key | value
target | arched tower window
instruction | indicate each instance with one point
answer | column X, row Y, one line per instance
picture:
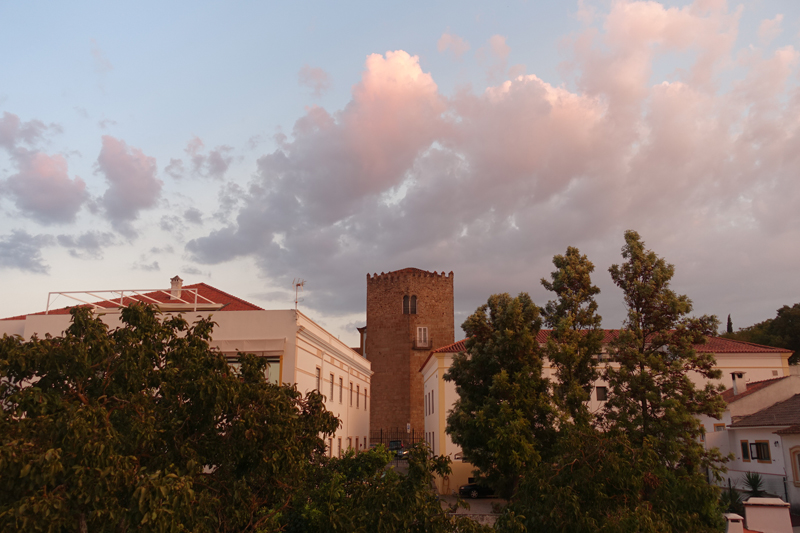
column 413, row 305
column 405, row 305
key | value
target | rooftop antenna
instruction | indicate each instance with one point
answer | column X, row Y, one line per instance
column 298, row 286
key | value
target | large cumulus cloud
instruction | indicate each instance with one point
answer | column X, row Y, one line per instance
column 702, row 160
column 41, row 188
column 132, row 183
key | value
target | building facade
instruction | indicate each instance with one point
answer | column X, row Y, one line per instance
column 298, row 350
column 734, row 358
column 409, row 313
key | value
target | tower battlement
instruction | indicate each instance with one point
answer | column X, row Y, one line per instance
column 408, row 272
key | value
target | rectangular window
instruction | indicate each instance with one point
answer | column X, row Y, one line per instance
column 331, row 397
column 426, row 404
column 602, row 394
column 358, row 396
column 340, row 390
column 745, row 451
column 759, row 450
column 330, row 447
column 349, row 443
column 422, row 336
column 351, row 394
column 365, row 399
column 318, row 377
column 339, row 444
column 719, row 427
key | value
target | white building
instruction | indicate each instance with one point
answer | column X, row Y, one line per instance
column 754, row 361
column 298, row 350
column 761, row 428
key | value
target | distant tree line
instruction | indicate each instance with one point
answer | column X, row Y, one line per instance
column 783, row 331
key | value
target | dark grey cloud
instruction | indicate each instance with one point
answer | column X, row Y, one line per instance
column 132, row 183
column 194, row 271
column 212, row 164
column 175, row 168
column 193, row 215
column 23, row 251
column 147, row 267
column 171, row 223
column 88, row 245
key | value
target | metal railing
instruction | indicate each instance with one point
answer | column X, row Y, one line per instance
column 111, row 300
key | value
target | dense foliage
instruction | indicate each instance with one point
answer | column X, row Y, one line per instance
column 144, row 428
column 638, row 465
column 783, row 331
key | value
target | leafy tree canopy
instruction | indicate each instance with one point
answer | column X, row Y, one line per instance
column 783, row 331
column 640, row 465
column 144, row 428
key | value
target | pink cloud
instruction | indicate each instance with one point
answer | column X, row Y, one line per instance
column 455, row 44
column 132, row 182
column 769, row 29
column 43, row 189
column 403, row 174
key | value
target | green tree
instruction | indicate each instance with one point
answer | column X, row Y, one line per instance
column 652, row 399
column 359, row 493
column 576, row 337
column 729, row 329
column 783, row 331
column 504, row 417
column 145, row 428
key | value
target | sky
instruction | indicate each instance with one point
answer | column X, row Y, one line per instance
column 250, row 144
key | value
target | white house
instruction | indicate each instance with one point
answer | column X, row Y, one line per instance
column 761, row 428
column 753, row 361
column 298, row 350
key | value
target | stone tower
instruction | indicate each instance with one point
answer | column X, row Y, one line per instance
column 409, row 313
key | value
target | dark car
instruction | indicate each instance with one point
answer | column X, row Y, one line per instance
column 396, row 446
column 474, row 490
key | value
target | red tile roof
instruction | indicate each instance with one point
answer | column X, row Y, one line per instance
column 791, row 430
column 785, row 413
column 229, row 302
column 712, row 345
column 752, row 387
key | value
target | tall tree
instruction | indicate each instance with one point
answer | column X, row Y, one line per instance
column 652, row 396
column 729, row 329
column 504, row 417
column 576, row 338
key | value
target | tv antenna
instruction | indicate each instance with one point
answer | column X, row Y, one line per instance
column 298, row 286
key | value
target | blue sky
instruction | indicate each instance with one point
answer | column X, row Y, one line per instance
column 247, row 144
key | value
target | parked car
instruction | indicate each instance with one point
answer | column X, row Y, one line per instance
column 474, row 490
column 398, row 448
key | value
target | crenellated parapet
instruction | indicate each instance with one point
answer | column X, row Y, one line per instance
column 409, row 273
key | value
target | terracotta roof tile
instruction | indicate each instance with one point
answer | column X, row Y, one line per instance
column 752, row 387
column 230, row 302
column 791, row 430
column 785, row 413
column 712, row 345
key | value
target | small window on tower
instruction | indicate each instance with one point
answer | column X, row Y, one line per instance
column 405, row 305
column 413, row 305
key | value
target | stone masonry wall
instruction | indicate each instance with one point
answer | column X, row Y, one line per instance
column 397, row 388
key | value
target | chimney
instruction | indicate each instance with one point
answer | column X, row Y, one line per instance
column 733, row 523
column 739, row 384
column 175, row 288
